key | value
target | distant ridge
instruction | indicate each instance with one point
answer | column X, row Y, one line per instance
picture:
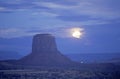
column 5, row 55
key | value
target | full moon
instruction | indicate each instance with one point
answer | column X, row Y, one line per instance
column 77, row 32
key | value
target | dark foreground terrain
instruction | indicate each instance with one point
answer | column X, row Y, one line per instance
column 57, row 74
column 85, row 71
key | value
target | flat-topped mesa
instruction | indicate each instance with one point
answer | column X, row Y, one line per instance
column 45, row 53
column 43, row 43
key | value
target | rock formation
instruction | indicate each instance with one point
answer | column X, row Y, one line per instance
column 45, row 53
column 43, row 43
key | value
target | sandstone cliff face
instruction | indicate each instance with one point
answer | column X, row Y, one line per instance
column 45, row 53
column 43, row 43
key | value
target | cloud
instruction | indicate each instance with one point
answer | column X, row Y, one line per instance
column 12, row 6
column 96, row 9
column 61, row 32
column 17, row 32
column 84, row 10
column 13, row 33
column 53, row 5
column 2, row 9
column 91, row 10
column 84, row 5
column 47, row 14
column 68, row 11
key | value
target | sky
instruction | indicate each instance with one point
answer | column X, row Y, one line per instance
column 99, row 19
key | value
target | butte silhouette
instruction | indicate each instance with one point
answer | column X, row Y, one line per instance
column 45, row 53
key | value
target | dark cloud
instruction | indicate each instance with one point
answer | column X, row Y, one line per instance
column 75, row 18
column 11, row 7
column 66, row 10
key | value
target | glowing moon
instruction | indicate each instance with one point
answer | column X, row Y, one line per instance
column 77, row 32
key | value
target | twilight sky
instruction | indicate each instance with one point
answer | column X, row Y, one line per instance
column 99, row 19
